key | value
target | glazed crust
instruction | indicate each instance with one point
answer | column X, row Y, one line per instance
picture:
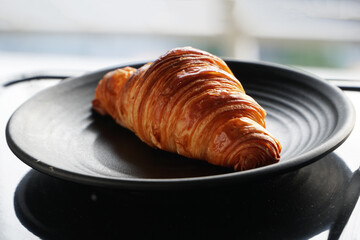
column 189, row 102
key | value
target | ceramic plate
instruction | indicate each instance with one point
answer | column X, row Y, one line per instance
column 57, row 133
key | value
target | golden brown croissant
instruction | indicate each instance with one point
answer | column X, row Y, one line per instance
column 189, row 102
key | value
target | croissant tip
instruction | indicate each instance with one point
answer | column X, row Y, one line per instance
column 96, row 105
column 248, row 164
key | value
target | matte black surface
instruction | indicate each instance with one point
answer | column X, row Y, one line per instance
column 57, row 133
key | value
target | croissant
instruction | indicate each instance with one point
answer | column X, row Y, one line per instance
column 189, row 102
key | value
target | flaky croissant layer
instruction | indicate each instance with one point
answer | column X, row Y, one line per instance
column 189, row 102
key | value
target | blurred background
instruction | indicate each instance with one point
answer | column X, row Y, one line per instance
column 320, row 35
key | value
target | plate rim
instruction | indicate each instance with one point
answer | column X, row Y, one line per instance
column 329, row 145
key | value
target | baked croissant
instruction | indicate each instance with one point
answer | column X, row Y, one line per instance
column 189, row 102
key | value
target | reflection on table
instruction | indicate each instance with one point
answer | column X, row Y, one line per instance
column 298, row 204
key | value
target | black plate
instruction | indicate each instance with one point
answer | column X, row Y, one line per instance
column 57, row 133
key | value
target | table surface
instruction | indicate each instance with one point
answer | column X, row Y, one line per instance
column 319, row 201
